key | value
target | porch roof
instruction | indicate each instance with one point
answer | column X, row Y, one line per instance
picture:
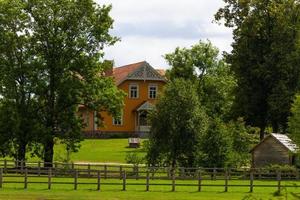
column 145, row 106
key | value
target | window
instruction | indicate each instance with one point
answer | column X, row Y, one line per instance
column 152, row 91
column 118, row 121
column 133, row 91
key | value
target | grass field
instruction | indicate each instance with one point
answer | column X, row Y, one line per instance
column 114, row 151
column 96, row 150
column 133, row 192
column 108, row 192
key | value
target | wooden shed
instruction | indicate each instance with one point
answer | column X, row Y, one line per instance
column 275, row 148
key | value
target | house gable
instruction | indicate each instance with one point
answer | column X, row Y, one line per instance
column 144, row 72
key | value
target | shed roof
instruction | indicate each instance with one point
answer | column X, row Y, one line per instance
column 282, row 139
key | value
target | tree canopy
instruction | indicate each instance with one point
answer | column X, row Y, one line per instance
column 178, row 124
column 57, row 48
column 265, row 59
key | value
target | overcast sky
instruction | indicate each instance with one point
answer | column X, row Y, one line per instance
column 150, row 29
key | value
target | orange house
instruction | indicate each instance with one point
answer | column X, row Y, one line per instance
column 142, row 84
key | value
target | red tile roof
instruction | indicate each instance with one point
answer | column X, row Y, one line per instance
column 120, row 73
column 162, row 72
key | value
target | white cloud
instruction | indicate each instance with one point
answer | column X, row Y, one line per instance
column 150, row 29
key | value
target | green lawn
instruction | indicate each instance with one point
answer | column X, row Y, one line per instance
column 133, row 192
column 94, row 150
column 99, row 150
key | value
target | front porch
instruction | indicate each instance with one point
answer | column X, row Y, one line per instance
column 142, row 122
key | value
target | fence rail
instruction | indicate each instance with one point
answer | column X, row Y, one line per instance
column 12, row 172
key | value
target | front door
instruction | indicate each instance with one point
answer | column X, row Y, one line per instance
column 143, row 122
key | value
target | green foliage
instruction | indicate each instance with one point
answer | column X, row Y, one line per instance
column 294, row 121
column 201, row 64
column 51, row 53
column 134, row 158
column 178, row 124
column 216, row 145
column 264, row 59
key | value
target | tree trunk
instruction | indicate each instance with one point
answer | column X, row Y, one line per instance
column 21, row 153
column 48, row 153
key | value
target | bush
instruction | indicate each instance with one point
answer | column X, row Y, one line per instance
column 134, row 158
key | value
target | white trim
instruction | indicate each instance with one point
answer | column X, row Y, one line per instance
column 137, row 92
column 156, row 90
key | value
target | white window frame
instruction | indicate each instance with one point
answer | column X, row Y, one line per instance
column 137, row 90
column 149, row 91
column 120, row 121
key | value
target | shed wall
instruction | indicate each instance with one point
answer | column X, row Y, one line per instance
column 270, row 152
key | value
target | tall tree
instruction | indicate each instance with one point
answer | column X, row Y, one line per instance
column 70, row 37
column 67, row 38
column 202, row 65
column 265, row 59
column 178, row 124
column 18, row 105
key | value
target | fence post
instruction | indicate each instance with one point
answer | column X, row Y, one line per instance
column 152, row 172
column 22, row 166
column 226, row 180
column 173, row 179
column 49, row 178
column 182, row 172
column 25, row 178
column 75, row 179
column 39, row 168
column 98, row 180
column 279, row 180
column 121, row 171
column 136, row 172
column 199, row 180
column 5, row 166
column 105, row 171
column 1, row 177
column 214, row 174
column 124, row 180
column 251, row 181
column 89, row 170
column 147, row 181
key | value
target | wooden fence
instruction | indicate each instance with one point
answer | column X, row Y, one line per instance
column 36, row 173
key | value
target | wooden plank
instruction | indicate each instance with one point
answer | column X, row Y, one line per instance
column 105, row 171
column 1, row 177
column 226, row 181
column 136, row 169
column 89, row 170
column 124, row 180
column 5, row 166
column 75, row 179
column 199, row 180
column 279, row 180
column 25, row 178
column 121, row 171
column 147, row 181
column 98, row 180
column 173, row 180
column 39, row 168
column 49, row 178
column 214, row 176
column 251, row 181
